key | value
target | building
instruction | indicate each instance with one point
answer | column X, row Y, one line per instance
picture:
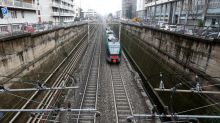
column 140, row 12
column 129, row 9
column 90, row 13
column 55, row 11
column 187, row 12
column 19, row 11
column 118, row 14
column 77, row 8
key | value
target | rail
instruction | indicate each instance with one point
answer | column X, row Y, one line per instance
column 90, row 93
column 46, row 81
column 50, row 96
column 122, row 103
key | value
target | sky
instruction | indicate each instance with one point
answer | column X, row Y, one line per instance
column 102, row 6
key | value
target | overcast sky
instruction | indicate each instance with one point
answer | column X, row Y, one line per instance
column 102, row 6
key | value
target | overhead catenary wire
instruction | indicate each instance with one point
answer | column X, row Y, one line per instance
column 180, row 117
column 187, row 91
column 198, row 108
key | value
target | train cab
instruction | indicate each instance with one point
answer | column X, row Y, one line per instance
column 114, row 50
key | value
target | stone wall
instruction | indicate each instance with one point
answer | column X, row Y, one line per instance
column 183, row 51
column 18, row 52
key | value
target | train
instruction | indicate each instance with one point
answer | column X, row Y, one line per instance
column 113, row 47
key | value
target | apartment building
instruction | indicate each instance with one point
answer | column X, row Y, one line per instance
column 77, row 8
column 90, row 13
column 184, row 11
column 19, row 11
column 118, row 14
column 129, row 9
column 55, row 11
column 140, row 12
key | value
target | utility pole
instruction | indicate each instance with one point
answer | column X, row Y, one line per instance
column 119, row 31
column 88, row 30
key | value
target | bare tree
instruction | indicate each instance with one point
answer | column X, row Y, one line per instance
column 191, row 9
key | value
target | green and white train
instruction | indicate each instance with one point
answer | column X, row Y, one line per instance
column 113, row 47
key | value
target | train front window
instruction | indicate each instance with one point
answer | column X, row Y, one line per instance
column 114, row 40
column 114, row 49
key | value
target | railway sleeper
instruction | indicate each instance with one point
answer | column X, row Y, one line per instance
column 122, row 120
column 88, row 106
column 122, row 103
column 124, row 107
column 93, row 80
column 92, row 98
column 120, row 96
column 89, row 101
column 125, row 111
column 91, row 91
column 90, row 94
column 116, row 80
column 91, row 87
column 119, row 93
column 120, row 90
column 118, row 85
column 123, row 116
column 121, row 99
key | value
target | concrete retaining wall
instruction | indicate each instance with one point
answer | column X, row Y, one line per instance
column 185, row 52
column 19, row 51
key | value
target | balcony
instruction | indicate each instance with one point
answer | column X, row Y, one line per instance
column 18, row 4
column 158, row 2
column 58, row 5
column 62, row 14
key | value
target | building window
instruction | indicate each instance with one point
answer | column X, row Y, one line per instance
column 15, row 27
column 3, row 28
column 1, row 15
column 38, row 12
column 214, row 4
column 22, row 14
column 13, row 14
column 213, row 21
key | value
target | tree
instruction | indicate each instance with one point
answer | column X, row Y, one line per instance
column 200, row 23
column 191, row 10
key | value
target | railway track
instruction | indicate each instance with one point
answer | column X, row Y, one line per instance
column 50, row 98
column 90, row 93
column 122, row 104
column 51, row 95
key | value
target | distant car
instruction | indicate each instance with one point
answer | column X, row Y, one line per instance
column 181, row 31
column 163, row 27
column 29, row 28
column 172, row 28
column 213, row 35
column 189, row 32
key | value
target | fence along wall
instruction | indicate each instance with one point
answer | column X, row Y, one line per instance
column 186, row 52
column 19, row 51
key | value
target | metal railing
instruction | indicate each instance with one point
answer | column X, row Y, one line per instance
column 58, row 5
column 22, row 28
column 62, row 14
column 17, row 4
column 207, row 32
